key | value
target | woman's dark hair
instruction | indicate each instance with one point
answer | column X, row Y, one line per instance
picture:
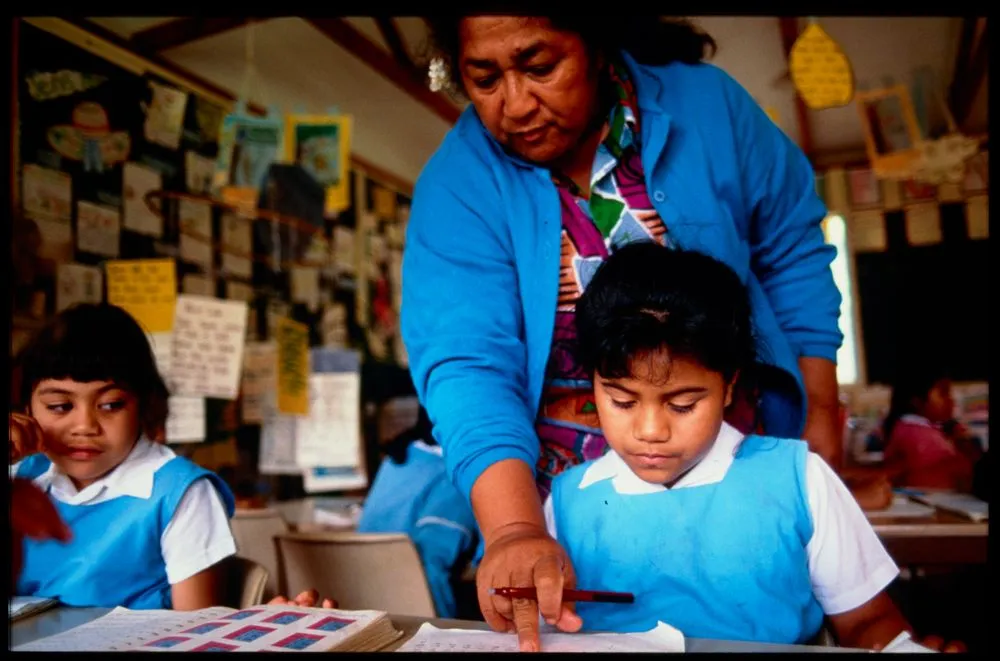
column 646, row 297
column 397, row 447
column 651, row 40
column 912, row 383
column 95, row 342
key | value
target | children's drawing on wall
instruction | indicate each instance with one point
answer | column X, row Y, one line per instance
column 89, row 139
column 198, row 172
column 47, row 200
column 209, row 119
column 248, row 146
column 47, row 85
column 165, row 115
column 321, row 145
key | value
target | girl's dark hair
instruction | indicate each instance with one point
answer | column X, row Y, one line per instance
column 397, row 447
column 95, row 342
column 912, row 382
column 651, row 40
column 647, row 297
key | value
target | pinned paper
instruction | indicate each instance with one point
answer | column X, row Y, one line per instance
column 892, row 195
column 98, row 229
column 260, row 382
column 186, row 420
column 868, row 230
column 333, row 326
column 208, row 346
column 146, row 289
column 277, row 447
column 78, row 283
column 239, row 291
column 344, row 250
column 199, row 285
column 305, row 286
column 923, row 224
column 292, row 339
column 321, row 145
column 950, row 192
column 330, row 436
column 47, row 199
column 237, row 244
column 977, row 217
column 865, row 189
column 198, row 171
column 820, row 71
column 137, row 181
column 384, row 201
column 195, row 220
column 165, row 115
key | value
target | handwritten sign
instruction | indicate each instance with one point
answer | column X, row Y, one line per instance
column 260, row 364
column 186, row 421
column 331, row 434
column 293, row 366
column 146, row 289
column 208, row 346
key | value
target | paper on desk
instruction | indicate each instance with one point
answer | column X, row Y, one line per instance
column 664, row 638
column 904, row 644
column 959, row 503
column 902, row 507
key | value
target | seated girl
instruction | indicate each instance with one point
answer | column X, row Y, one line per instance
column 722, row 535
column 412, row 494
column 925, row 447
column 146, row 529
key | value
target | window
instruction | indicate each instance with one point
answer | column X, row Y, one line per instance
column 835, row 231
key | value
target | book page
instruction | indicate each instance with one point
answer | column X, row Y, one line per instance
column 664, row 638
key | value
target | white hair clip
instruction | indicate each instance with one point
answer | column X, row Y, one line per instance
column 438, row 74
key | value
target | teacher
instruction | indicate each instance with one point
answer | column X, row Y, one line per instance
column 584, row 134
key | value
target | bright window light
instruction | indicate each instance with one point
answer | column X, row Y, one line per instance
column 835, row 230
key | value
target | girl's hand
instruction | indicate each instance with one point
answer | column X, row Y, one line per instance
column 305, row 599
column 26, row 437
column 526, row 556
column 32, row 515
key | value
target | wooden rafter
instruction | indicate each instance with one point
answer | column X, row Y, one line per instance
column 789, row 27
column 394, row 40
column 971, row 67
column 182, row 31
column 353, row 41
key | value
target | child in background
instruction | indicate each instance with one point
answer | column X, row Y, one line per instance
column 147, row 529
column 722, row 535
column 925, row 447
column 412, row 494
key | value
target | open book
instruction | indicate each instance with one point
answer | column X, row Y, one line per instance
column 255, row 629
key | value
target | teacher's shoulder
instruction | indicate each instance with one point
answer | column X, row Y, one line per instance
column 699, row 91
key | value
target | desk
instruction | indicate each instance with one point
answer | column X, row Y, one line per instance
column 57, row 620
column 940, row 539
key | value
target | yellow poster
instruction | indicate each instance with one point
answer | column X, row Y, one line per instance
column 147, row 289
column 292, row 339
column 820, row 70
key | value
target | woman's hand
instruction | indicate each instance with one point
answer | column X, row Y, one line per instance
column 26, row 437
column 305, row 599
column 939, row 644
column 524, row 555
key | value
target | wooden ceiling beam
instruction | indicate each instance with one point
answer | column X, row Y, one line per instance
column 971, row 67
column 181, row 31
column 394, row 40
column 353, row 41
column 788, row 27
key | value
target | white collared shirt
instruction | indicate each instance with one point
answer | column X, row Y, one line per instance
column 197, row 537
column 848, row 564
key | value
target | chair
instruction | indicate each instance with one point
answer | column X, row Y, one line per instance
column 254, row 531
column 365, row 571
column 245, row 584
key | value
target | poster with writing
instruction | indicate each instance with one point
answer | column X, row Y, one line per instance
column 137, row 180
column 78, row 283
column 186, row 420
column 146, row 288
column 237, row 245
column 195, row 220
column 165, row 115
column 260, row 381
column 208, row 346
column 47, row 200
column 305, row 286
column 98, row 229
column 198, row 173
column 162, row 345
column 292, row 339
column 277, row 447
column 330, row 435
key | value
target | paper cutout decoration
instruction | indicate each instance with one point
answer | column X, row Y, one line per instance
column 321, row 145
column 292, row 339
column 892, row 135
column 90, row 139
column 943, row 160
column 923, row 224
column 46, row 85
column 146, row 289
column 819, row 69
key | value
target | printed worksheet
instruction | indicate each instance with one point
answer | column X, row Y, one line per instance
column 664, row 638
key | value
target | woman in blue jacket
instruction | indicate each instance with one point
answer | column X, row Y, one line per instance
column 584, row 134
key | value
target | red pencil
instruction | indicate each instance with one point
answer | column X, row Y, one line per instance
column 568, row 595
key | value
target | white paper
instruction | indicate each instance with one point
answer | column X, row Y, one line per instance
column 238, row 291
column 199, row 285
column 958, row 503
column 46, row 194
column 208, row 346
column 902, row 507
column 137, row 180
column 320, row 479
column 186, row 421
column 195, row 219
column 904, row 644
column 305, row 285
column 664, row 638
column 277, row 447
column 260, row 382
column 333, row 326
column 162, row 346
column 165, row 115
column 330, row 435
column 237, row 244
column 198, row 172
column 78, row 283
column 98, row 229
column 344, row 250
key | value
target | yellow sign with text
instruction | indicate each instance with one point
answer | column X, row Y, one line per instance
column 292, row 339
column 146, row 289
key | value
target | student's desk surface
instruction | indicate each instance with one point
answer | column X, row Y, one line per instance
column 939, row 539
column 57, row 620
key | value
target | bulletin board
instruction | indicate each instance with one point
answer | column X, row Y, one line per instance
column 94, row 137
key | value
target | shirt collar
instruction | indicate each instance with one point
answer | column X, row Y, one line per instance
column 711, row 469
column 915, row 419
column 132, row 477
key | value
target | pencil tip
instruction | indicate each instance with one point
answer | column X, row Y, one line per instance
column 493, row 591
